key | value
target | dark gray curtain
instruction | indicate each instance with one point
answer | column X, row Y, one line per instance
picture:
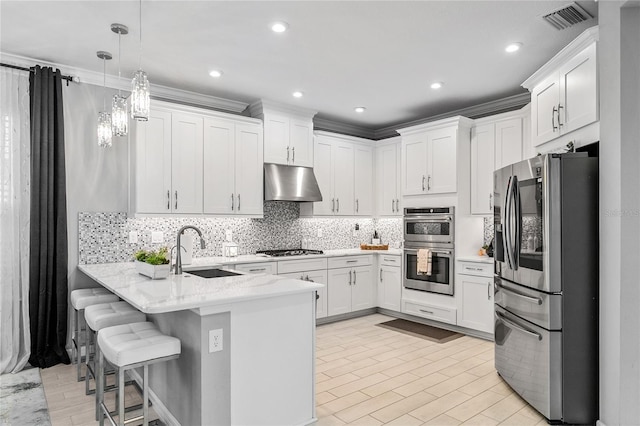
column 48, row 233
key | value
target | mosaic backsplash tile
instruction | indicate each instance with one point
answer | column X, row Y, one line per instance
column 488, row 230
column 104, row 237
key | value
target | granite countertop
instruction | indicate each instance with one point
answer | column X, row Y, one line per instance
column 476, row 259
column 186, row 291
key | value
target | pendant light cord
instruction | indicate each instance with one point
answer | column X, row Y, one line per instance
column 104, row 82
column 119, row 59
column 140, row 16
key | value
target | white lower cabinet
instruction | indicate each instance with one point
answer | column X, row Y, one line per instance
column 257, row 268
column 390, row 283
column 350, row 288
column 474, row 296
column 314, row 270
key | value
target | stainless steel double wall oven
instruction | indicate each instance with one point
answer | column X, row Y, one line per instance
column 429, row 228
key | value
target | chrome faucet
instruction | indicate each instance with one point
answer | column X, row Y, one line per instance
column 178, row 267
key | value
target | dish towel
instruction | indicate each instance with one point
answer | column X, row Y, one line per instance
column 424, row 262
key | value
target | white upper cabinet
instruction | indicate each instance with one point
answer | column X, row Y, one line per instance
column 232, row 167
column 343, row 166
column 288, row 133
column 564, row 92
column 429, row 156
column 496, row 142
column 194, row 161
column 388, row 179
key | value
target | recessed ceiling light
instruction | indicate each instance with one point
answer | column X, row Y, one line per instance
column 297, row 94
column 215, row 73
column 513, row 47
column 279, row 27
column 436, row 85
column 359, row 110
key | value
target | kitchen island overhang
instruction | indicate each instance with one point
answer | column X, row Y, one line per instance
column 265, row 372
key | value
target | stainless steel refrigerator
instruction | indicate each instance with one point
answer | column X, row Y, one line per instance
column 546, row 283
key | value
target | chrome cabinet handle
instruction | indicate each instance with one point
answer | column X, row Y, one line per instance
column 337, row 204
column 168, row 199
column 287, row 154
column 238, row 202
column 426, row 312
column 553, row 119
column 560, row 124
column 429, row 183
column 393, row 208
column 380, row 274
column 423, row 179
column 232, row 202
column 293, row 156
column 490, row 201
column 489, row 290
column 357, row 205
column 397, row 205
column 352, row 261
column 515, row 326
column 176, row 200
column 350, row 278
column 333, row 204
column 257, row 269
column 355, row 276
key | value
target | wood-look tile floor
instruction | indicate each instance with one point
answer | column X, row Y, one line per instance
column 369, row 375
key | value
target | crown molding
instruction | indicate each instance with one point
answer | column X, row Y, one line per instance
column 158, row 91
column 349, row 138
column 584, row 40
column 258, row 108
column 457, row 120
column 343, row 128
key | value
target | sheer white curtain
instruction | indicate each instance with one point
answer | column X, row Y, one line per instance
column 14, row 223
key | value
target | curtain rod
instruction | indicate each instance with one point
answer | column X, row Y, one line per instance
column 67, row 78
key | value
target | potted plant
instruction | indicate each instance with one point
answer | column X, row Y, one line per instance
column 153, row 264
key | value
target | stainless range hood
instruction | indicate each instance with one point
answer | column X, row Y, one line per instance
column 290, row 183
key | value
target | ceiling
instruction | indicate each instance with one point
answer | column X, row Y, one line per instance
column 382, row 55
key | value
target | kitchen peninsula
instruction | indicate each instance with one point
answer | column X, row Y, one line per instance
column 262, row 372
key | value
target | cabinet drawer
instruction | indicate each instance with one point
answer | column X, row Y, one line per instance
column 257, row 268
column 288, row 266
column 349, row 261
column 437, row 313
column 389, row 260
column 474, row 268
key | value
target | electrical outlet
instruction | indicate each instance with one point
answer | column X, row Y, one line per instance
column 215, row 340
column 228, row 235
column 319, row 233
column 133, row 237
column 157, row 237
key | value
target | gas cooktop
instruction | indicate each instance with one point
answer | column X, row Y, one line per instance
column 288, row 252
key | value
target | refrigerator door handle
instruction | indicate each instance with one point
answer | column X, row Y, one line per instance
column 512, row 325
column 535, row 300
column 506, row 235
column 517, row 222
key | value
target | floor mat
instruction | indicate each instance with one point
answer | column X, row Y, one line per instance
column 421, row 330
column 22, row 400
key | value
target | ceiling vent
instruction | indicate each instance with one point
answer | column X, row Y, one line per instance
column 567, row 16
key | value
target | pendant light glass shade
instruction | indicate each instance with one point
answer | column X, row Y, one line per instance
column 119, row 116
column 105, row 134
column 140, row 96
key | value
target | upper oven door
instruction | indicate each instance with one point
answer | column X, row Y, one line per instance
column 429, row 229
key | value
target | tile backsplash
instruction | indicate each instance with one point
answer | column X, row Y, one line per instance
column 104, row 237
column 488, row 230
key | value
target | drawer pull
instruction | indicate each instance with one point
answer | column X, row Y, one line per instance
column 257, row 269
column 352, row 261
column 390, row 260
column 426, row 312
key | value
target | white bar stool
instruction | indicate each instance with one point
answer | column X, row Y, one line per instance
column 101, row 316
column 131, row 346
column 80, row 299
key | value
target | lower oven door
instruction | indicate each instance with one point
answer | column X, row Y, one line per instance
column 441, row 278
column 529, row 359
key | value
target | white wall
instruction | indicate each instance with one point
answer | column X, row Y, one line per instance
column 619, row 230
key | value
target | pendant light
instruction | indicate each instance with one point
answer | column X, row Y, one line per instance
column 119, row 116
column 140, row 94
column 105, row 132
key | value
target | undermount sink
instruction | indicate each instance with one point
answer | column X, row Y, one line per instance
column 213, row 273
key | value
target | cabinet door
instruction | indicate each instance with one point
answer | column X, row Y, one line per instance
column 343, row 178
column 248, row 169
column 363, row 177
column 389, row 288
column 321, row 303
column 386, row 180
column 301, row 142
column 544, row 100
column 475, row 299
column 441, row 160
column 579, row 91
column 219, row 166
column 414, row 161
column 364, row 289
column 482, row 167
column 186, row 163
column 339, row 291
column 153, row 163
column 276, row 138
column 322, row 163
column 508, row 142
